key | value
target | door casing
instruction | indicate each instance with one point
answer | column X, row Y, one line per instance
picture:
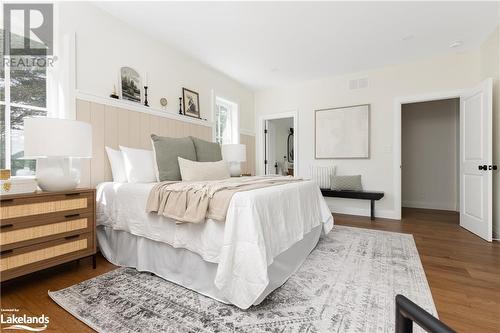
column 261, row 141
column 397, row 162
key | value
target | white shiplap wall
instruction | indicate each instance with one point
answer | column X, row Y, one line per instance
column 116, row 124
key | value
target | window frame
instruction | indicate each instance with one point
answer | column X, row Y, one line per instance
column 8, row 105
column 60, row 82
column 233, row 108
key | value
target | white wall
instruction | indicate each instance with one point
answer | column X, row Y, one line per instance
column 430, row 163
column 490, row 67
column 104, row 44
column 437, row 74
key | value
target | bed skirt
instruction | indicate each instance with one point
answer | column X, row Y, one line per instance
column 187, row 268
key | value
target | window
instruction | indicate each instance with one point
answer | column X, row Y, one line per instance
column 226, row 122
column 23, row 93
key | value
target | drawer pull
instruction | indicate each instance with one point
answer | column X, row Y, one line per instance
column 72, row 194
column 71, row 215
column 71, row 237
column 5, row 226
column 6, row 200
column 6, row 252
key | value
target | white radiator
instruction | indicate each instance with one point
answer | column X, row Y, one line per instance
column 321, row 175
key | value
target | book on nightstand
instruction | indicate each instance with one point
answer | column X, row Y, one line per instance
column 18, row 185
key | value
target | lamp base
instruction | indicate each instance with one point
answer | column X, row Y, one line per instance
column 235, row 169
column 57, row 174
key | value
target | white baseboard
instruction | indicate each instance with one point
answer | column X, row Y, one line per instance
column 429, row 205
column 381, row 213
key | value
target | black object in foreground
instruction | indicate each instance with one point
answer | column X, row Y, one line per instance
column 408, row 312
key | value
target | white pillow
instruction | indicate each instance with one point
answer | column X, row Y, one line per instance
column 322, row 175
column 193, row 171
column 139, row 165
column 115, row 158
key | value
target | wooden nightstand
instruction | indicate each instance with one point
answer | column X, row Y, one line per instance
column 44, row 229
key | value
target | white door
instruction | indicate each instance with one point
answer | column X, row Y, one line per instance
column 271, row 148
column 476, row 161
column 269, row 155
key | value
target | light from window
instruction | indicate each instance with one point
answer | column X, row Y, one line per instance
column 23, row 93
column 2, row 137
column 226, row 122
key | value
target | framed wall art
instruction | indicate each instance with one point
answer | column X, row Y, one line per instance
column 130, row 84
column 191, row 101
column 342, row 132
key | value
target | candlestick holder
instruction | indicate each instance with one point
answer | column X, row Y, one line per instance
column 113, row 94
column 146, row 96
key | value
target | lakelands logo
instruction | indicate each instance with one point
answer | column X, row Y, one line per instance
column 23, row 322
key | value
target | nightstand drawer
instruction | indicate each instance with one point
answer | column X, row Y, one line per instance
column 21, row 234
column 27, row 207
column 38, row 256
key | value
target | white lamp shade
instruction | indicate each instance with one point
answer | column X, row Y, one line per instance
column 51, row 137
column 234, row 152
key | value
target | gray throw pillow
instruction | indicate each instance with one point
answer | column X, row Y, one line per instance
column 206, row 151
column 167, row 150
column 346, row 183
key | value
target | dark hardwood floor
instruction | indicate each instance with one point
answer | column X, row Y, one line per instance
column 462, row 269
column 29, row 293
column 463, row 272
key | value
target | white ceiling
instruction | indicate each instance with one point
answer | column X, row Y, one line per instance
column 263, row 44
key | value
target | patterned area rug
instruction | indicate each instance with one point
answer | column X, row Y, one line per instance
column 347, row 284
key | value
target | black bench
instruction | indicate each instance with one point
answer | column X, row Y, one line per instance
column 365, row 195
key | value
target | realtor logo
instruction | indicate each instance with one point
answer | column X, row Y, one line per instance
column 10, row 319
column 28, row 29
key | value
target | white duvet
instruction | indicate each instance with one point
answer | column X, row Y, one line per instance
column 260, row 224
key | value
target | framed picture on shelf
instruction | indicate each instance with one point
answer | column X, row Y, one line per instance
column 191, row 101
column 130, row 85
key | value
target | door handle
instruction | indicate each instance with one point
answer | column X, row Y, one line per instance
column 483, row 167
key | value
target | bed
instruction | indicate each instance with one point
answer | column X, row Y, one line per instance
column 266, row 236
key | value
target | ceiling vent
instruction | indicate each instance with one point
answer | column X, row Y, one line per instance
column 359, row 83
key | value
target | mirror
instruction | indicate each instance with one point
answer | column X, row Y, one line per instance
column 290, row 146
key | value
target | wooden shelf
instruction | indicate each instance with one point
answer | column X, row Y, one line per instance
column 119, row 103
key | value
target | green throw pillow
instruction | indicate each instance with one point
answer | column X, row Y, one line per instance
column 206, row 151
column 346, row 183
column 167, row 150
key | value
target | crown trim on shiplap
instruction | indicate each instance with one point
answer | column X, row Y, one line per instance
column 246, row 132
column 139, row 108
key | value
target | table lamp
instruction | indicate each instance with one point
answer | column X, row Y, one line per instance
column 56, row 144
column 234, row 154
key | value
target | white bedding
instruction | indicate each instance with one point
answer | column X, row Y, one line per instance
column 122, row 206
column 260, row 225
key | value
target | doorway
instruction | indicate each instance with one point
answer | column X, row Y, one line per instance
column 279, row 146
column 476, row 165
column 430, row 168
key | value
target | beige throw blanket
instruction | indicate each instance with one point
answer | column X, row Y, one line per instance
column 195, row 201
